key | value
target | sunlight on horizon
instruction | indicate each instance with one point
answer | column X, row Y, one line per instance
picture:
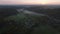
column 43, row 2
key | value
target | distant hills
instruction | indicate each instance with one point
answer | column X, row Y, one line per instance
column 27, row 6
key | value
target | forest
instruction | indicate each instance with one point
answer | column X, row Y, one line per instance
column 13, row 22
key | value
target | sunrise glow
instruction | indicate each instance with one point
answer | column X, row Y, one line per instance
column 44, row 2
column 29, row 2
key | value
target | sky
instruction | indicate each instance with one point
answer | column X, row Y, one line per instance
column 29, row 2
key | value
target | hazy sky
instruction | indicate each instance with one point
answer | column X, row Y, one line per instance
column 28, row 2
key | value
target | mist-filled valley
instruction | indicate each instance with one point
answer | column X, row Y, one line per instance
column 30, row 19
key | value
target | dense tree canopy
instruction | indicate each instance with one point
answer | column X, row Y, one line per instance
column 12, row 22
column 4, row 12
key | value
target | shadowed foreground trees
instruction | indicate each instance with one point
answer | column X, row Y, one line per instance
column 5, row 12
column 13, row 23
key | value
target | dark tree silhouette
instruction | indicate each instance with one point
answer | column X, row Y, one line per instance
column 4, row 12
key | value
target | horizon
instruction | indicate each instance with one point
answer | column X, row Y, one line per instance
column 29, row 2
